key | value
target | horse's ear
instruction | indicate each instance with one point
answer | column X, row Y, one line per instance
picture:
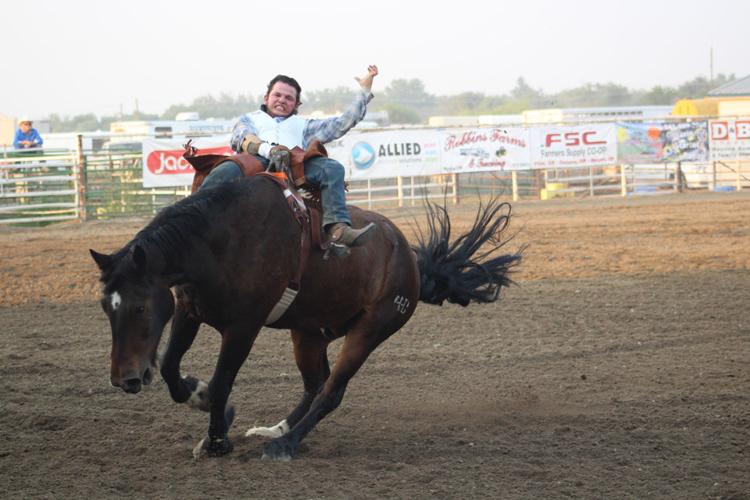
column 102, row 260
column 139, row 257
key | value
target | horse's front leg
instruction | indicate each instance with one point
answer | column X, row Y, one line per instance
column 235, row 346
column 184, row 329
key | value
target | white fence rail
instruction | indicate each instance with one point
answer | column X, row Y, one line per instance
column 38, row 188
column 402, row 190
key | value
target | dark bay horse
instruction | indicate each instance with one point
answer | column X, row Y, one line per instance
column 230, row 251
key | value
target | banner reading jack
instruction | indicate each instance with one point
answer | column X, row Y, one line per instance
column 164, row 166
column 492, row 149
column 575, row 146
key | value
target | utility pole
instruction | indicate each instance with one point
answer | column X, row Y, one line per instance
column 711, row 64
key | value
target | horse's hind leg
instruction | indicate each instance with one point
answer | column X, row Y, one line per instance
column 353, row 354
column 310, row 352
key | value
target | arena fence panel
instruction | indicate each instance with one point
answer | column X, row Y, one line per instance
column 38, row 187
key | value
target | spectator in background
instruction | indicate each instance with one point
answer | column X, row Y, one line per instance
column 27, row 136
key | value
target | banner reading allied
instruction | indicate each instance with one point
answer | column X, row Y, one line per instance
column 379, row 155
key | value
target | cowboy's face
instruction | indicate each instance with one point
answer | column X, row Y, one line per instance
column 281, row 101
column 25, row 127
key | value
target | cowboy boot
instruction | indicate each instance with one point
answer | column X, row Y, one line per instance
column 343, row 234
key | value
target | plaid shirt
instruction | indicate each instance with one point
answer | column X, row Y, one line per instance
column 325, row 130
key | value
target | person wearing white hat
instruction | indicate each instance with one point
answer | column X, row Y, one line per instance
column 27, row 136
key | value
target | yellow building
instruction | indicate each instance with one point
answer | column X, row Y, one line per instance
column 713, row 106
column 731, row 99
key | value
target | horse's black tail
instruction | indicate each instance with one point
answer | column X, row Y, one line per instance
column 452, row 271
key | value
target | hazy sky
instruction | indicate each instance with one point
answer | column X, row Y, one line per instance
column 72, row 57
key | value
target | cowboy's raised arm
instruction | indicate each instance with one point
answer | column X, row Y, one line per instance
column 330, row 129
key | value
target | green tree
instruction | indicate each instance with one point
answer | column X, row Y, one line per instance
column 401, row 115
column 79, row 123
column 327, row 100
column 658, row 95
column 208, row 106
column 408, row 102
column 468, row 103
column 404, row 95
column 700, row 86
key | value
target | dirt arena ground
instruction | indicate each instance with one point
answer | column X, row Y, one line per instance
column 618, row 368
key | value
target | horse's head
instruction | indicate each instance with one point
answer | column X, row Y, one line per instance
column 138, row 306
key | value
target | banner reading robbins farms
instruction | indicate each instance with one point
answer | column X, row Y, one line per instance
column 581, row 145
column 475, row 150
column 164, row 166
column 729, row 139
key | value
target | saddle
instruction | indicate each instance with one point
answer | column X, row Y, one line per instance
column 250, row 165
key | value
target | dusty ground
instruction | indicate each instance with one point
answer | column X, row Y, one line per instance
column 619, row 368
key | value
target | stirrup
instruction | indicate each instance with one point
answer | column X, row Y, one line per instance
column 341, row 233
column 336, row 250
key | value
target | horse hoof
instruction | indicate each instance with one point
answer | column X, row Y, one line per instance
column 278, row 449
column 217, row 447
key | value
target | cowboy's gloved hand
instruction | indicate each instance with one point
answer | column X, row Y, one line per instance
column 279, row 159
column 251, row 144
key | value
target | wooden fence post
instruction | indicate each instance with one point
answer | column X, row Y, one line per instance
column 80, row 179
column 712, row 182
column 514, row 183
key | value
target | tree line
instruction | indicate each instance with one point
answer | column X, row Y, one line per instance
column 407, row 101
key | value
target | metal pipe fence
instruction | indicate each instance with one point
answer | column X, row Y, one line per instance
column 37, row 186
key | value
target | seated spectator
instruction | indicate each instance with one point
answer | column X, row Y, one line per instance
column 27, row 136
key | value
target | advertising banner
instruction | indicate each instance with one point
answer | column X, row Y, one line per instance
column 475, row 150
column 574, row 146
column 653, row 142
column 164, row 166
column 379, row 155
column 729, row 139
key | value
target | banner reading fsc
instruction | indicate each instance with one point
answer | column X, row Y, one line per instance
column 577, row 146
column 164, row 166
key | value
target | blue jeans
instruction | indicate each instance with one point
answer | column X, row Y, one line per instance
column 325, row 173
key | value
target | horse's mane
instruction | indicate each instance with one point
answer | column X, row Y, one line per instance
column 174, row 230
